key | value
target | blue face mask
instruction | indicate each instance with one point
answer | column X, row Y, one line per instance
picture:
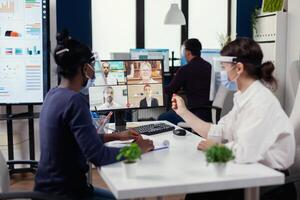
column 90, row 83
column 230, row 85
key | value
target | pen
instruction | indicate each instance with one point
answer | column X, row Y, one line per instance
column 160, row 148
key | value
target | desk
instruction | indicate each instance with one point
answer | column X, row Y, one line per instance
column 182, row 169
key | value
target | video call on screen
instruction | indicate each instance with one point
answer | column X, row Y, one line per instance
column 127, row 84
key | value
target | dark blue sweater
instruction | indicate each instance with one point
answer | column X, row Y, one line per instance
column 68, row 140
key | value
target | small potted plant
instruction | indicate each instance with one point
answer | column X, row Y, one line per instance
column 219, row 155
column 130, row 154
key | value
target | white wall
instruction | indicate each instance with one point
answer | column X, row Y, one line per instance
column 293, row 54
column 233, row 18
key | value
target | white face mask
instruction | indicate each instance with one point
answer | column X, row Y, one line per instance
column 90, row 83
column 182, row 55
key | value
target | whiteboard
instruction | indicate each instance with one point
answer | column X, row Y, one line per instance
column 24, row 58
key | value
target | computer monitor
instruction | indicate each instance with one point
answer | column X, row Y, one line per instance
column 24, row 51
column 206, row 54
column 127, row 84
column 144, row 54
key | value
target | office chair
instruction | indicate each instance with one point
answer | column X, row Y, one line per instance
column 216, row 107
column 294, row 170
column 149, row 114
column 295, row 119
column 4, row 187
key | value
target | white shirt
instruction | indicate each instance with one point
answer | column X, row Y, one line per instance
column 257, row 129
column 109, row 80
column 149, row 100
column 150, row 81
column 107, row 106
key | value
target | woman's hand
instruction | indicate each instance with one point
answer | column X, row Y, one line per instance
column 105, row 119
column 206, row 144
column 178, row 105
column 128, row 135
column 146, row 145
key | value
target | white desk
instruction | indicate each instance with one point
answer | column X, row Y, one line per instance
column 182, row 169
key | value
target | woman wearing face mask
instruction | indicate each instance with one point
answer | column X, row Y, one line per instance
column 256, row 129
column 68, row 137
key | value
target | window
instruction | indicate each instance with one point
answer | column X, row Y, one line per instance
column 114, row 26
column 157, row 34
column 207, row 21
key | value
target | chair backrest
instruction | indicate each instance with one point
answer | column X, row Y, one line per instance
column 220, row 96
column 219, row 101
column 4, row 175
column 149, row 113
column 295, row 119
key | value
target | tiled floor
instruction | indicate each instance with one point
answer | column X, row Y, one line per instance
column 25, row 182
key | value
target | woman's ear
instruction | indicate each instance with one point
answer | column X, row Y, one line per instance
column 240, row 67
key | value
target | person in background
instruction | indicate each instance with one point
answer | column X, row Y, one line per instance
column 256, row 129
column 148, row 101
column 194, row 78
column 68, row 137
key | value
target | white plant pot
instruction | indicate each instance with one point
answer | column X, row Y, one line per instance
column 220, row 168
column 130, row 169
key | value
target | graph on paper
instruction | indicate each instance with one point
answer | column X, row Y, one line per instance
column 22, row 50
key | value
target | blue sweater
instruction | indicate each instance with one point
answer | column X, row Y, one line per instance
column 68, row 140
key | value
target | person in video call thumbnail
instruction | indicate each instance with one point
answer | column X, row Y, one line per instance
column 148, row 101
column 146, row 73
column 108, row 99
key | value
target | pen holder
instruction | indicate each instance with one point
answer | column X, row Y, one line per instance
column 220, row 169
column 130, row 169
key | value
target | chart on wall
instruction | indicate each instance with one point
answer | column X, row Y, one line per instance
column 23, row 51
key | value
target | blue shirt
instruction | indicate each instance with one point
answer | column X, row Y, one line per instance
column 68, row 139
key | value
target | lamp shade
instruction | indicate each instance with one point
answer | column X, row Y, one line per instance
column 175, row 16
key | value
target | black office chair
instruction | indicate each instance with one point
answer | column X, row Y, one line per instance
column 30, row 195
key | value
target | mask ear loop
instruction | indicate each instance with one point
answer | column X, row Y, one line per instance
column 90, row 66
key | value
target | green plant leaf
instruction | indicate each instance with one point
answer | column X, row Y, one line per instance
column 272, row 5
column 130, row 153
column 219, row 154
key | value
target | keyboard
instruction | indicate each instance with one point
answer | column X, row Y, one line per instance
column 152, row 129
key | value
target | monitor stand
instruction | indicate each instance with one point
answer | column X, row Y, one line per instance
column 120, row 122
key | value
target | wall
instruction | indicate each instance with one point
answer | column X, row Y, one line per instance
column 293, row 54
column 244, row 11
column 75, row 15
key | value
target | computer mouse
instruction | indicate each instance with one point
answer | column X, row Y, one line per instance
column 179, row 132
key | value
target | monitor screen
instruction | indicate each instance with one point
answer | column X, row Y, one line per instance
column 144, row 54
column 206, row 54
column 209, row 54
column 127, row 84
column 24, row 57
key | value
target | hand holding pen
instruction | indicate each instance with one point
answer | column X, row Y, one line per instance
column 104, row 120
